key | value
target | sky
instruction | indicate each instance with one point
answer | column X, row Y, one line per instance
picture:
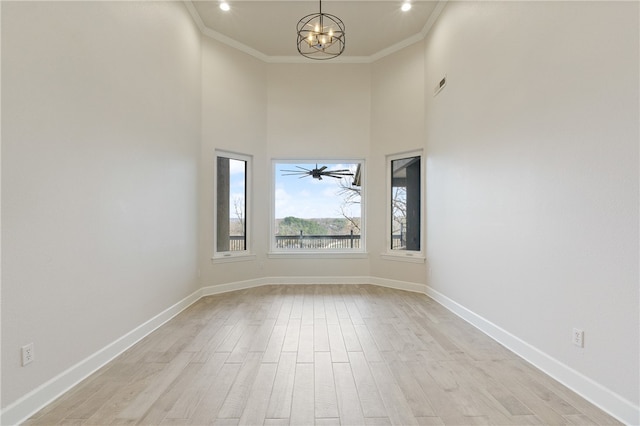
column 307, row 197
column 236, row 176
column 304, row 197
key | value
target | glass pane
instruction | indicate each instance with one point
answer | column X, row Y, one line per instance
column 318, row 206
column 231, row 204
column 405, row 204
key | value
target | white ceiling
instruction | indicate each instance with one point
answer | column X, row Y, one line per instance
column 267, row 29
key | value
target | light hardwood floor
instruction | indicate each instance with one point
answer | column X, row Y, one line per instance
column 324, row 355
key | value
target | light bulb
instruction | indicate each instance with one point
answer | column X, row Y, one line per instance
column 406, row 6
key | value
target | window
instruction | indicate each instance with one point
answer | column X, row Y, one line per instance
column 405, row 203
column 231, row 204
column 317, row 206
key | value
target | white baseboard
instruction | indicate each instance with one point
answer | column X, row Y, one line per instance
column 382, row 282
column 318, row 280
column 43, row 395
column 399, row 285
column 243, row 285
column 612, row 403
column 238, row 285
column 597, row 394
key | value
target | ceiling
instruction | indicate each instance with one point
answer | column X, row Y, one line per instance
column 266, row 29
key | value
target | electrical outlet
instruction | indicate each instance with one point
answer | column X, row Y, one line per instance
column 577, row 337
column 28, row 355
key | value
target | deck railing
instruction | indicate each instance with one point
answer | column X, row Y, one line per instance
column 237, row 243
column 350, row 241
column 314, row 242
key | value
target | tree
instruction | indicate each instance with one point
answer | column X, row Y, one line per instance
column 351, row 196
column 238, row 206
column 398, row 208
column 293, row 226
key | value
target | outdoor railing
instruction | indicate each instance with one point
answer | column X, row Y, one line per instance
column 236, row 243
column 349, row 241
column 398, row 242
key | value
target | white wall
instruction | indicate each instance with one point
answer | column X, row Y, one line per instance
column 234, row 104
column 532, row 176
column 397, row 125
column 532, row 192
column 277, row 111
column 100, row 141
column 316, row 111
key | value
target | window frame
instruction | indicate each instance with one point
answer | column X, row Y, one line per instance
column 416, row 256
column 234, row 255
column 340, row 253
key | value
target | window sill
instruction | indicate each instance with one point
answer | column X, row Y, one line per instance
column 316, row 255
column 404, row 257
column 229, row 258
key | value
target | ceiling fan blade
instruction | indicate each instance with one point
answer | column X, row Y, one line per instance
column 317, row 173
column 294, row 171
column 338, row 174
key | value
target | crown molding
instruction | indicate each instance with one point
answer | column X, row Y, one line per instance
column 301, row 60
column 221, row 37
column 433, row 17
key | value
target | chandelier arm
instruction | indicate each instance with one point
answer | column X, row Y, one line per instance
column 320, row 43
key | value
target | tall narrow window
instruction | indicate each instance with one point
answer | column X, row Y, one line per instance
column 405, row 199
column 231, row 207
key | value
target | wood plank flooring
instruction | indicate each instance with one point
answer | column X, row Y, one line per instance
column 324, row 355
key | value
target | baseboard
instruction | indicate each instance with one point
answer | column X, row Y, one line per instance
column 243, row 285
column 383, row 282
column 238, row 285
column 43, row 395
column 598, row 395
column 258, row 282
column 31, row 403
column 319, row 280
column 399, row 285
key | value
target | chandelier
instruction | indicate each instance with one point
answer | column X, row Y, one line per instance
column 320, row 36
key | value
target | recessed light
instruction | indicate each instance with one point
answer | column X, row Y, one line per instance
column 225, row 6
column 406, row 6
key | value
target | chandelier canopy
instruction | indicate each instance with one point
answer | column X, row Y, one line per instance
column 321, row 36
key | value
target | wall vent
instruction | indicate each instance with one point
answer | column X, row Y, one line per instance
column 440, row 85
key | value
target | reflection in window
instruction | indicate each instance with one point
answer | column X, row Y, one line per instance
column 231, row 203
column 405, row 203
